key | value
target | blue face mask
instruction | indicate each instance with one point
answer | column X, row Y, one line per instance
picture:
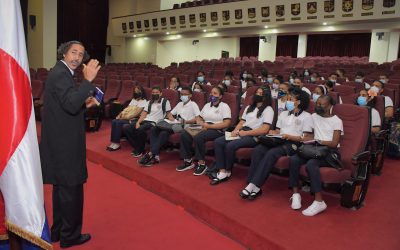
column 200, row 78
column 184, row 98
column 383, row 81
column 306, row 73
column 270, row 79
column 289, row 105
column 362, row 101
column 315, row 97
column 213, row 99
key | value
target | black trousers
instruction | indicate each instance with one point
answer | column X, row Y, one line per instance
column 137, row 137
column 67, row 212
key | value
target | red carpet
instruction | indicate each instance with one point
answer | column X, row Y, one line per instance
column 267, row 223
column 121, row 215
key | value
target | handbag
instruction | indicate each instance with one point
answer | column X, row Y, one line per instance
column 270, row 142
column 129, row 112
column 193, row 130
column 170, row 127
column 313, row 151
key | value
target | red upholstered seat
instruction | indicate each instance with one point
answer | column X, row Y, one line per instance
column 142, row 80
column 344, row 89
column 37, row 89
column 157, row 81
column 100, row 83
column 113, row 90
column 172, row 96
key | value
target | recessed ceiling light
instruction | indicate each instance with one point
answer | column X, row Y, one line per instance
column 324, row 23
column 266, row 26
column 167, row 33
column 145, row 38
column 134, row 35
column 204, row 30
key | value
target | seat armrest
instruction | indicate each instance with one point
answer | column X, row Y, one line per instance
column 361, row 157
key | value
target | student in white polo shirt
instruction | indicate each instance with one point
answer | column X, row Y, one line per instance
column 369, row 101
column 156, row 109
column 328, row 129
column 377, row 89
column 200, row 79
column 184, row 112
column 256, row 120
column 214, row 118
column 293, row 124
column 299, row 83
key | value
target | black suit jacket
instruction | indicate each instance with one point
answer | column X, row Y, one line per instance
column 63, row 142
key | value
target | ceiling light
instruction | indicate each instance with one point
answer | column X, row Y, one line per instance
column 266, row 26
column 204, row 30
column 324, row 23
column 167, row 33
column 134, row 35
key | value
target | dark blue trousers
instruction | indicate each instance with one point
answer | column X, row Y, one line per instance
column 116, row 129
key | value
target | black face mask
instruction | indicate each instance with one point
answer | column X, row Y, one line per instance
column 155, row 97
column 257, row 98
column 137, row 95
column 319, row 110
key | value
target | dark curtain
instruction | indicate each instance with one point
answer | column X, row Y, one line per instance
column 339, row 44
column 24, row 13
column 249, row 46
column 287, row 45
column 85, row 21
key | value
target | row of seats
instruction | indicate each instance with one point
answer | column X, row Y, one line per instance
column 195, row 3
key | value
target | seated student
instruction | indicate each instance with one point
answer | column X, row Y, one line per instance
column 245, row 77
column 270, row 78
column 328, row 129
column 377, row 89
column 315, row 76
column 359, row 78
column 306, row 73
column 250, row 83
column 223, row 86
column 299, row 83
column 175, row 83
column 319, row 90
column 156, row 109
column 275, row 87
column 263, row 76
column 383, row 78
column 333, row 78
column 256, row 120
column 185, row 112
column 292, row 124
column 228, row 78
column 329, row 88
column 133, row 110
column 198, row 87
column 214, row 118
column 369, row 101
column 341, row 74
column 282, row 96
column 200, row 79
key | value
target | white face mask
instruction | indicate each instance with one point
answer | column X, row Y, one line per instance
column 383, row 81
column 306, row 73
column 244, row 75
column 227, row 82
column 359, row 80
column 197, row 90
column 184, row 98
column 374, row 89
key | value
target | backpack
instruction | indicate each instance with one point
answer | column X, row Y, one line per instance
column 163, row 105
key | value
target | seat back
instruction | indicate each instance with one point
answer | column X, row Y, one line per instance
column 142, row 80
column 113, row 90
column 157, row 81
column 392, row 94
column 100, row 83
column 335, row 96
column 349, row 99
column 380, row 106
column 37, row 88
column 233, row 102
column 396, row 88
column 199, row 98
column 126, row 93
column 172, row 96
column 344, row 89
column 356, row 127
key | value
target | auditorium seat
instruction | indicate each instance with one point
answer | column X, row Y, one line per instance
column 353, row 149
column 378, row 143
column 142, row 80
column 100, row 83
column 113, row 90
column 344, row 89
column 157, row 81
column 172, row 96
column 37, row 89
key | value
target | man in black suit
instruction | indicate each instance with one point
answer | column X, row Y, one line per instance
column 63, row 142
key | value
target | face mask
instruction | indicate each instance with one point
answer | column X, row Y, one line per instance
column 227, row 82
column 306, row 73
column 137, row 95
column 383, row 81
column 313, row 79
column 334, row 81
column 275, row 86
column 291, row 81
column 319, row 110
column 281, row 94
column 197, row 90
column 155, row 97
column 289, row 105
column 200, row 78
column 359, row 80
column 362, row 100
column 184, row 98
column 270, row 79
column 315, row 97
column 374, row 89
column 213, row 99
column 244, row 75
column 257, row 98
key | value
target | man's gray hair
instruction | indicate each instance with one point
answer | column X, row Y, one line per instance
column 64, row 47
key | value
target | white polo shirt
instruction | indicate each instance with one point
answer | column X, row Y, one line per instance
column 217, row 114
column 141, row 103
column 325, row 126
column 375, row 118
column 388, row 102
column 156, row 112
column 186, row 111
column 254, row 122
column 281, row 106
column 290, row 124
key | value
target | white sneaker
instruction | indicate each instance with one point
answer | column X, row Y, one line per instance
column 296, row 201
column 315, row 208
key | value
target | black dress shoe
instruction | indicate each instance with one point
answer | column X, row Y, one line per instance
column 82, row 239
column 244, row 194
column 113, row 149
column 216, row 180
column 55, row 237
column 254, row 195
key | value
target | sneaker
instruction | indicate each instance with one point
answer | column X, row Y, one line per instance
column 200, row 169
column 144, row 159
column 296, row 201
column 186, row 166
column 315, row 208
column 152, row 161
column 137, row 154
